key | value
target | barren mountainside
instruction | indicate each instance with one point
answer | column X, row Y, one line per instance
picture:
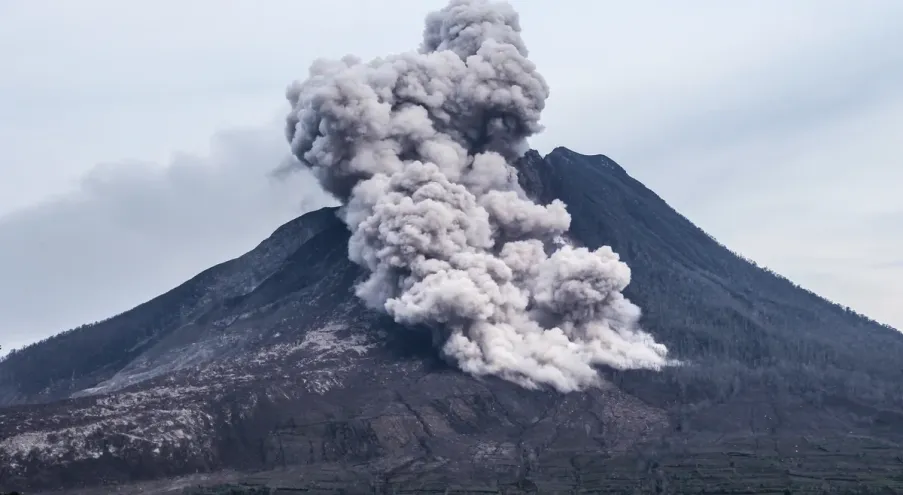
column 267, row 370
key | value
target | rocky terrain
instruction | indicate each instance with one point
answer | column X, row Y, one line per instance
column 266, row 373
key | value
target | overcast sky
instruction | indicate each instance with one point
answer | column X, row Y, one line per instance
column 136, row 136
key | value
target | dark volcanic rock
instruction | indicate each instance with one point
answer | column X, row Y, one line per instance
column 269, row 364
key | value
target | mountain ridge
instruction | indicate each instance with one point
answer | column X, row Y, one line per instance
column 273, row 365
column 290, row 234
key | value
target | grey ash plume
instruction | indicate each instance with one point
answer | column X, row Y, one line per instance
column 418, row 146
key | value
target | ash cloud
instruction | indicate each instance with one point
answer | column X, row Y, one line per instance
column 418, row 146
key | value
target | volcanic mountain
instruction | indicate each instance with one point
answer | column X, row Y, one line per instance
column 267, row 372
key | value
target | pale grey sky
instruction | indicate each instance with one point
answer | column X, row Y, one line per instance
column 136, row 136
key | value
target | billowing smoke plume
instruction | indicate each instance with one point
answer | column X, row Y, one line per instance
column 418, row 147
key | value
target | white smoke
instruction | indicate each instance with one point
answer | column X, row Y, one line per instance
column 418, row 147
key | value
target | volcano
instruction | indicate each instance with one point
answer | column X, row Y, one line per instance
column 474, row 318
column 267, row 372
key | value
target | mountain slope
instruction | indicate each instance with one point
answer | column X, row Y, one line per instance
column 727, row 308
column 269, row 363
column 85, row 356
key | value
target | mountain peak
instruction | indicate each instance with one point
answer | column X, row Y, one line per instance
column 562, row 154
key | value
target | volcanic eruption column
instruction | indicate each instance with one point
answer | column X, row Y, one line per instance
column 417, row 146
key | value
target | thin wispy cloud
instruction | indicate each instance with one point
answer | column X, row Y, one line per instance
column 134, row 230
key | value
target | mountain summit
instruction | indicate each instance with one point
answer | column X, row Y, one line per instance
column 269, row 364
